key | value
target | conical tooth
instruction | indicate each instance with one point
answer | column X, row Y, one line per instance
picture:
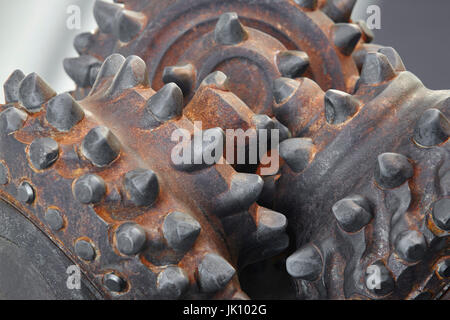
column 229, row 29
column 183, row 76
column 110, row 67
column 142, row 186
column 339, row 10
column 307, row 4
column 104, row 14
column 43, row 152
column 376, row 69
column 379, row 279
column 366, row 31
column 100, row 146
column 270, row 224
column 217, row 80
column 64, row 112
column 82, row 42
column 262, row 121
column 26, row 193
column 214, row 272
column 12, row 119
column 306, row 263
column 245, row 188
column 132, row 73
column 284, row 88
column 296, row 152
column 130, row 238
column 181, row 231
column 411, row 245
column 89, row 189
column 128, row 24
column 339, row 106
column 292, row 64
column 346, row 36
column 444, row 268
column 392, row 170
column 172, row 282
column 433, row 128
column 167, row 103
column 352, row 213
column 11, row 86
column 79, row 69
column 441, row 214
column 33, row 92
column 393, row 57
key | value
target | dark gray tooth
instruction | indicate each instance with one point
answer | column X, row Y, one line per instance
column 43, row 152
column 25, row 193
column 292, row 64
column 346, row 36
column 64, row 112
column 270, row 224
column 376, row 69
column 172, row 282
column 110, row 67
column 244, row 190
column 229, row 30
column 410, row 245
column 79, row 69
column 114, row 283
column 130, row 238
column 339, row 106
column 306, row 263
column 11, row 86
column 367, row 32
column 339, row 10
column 284, row 88
column 433, row 128
column 89, row 189
column 392, row 170
column 132, row 73
column 12, row 119
column 182, row 75
column 82, row 42
column 296, row 152
column 262, row 121
column 100, row 146
column 142, row 186
column 307, row 4
column 85, row 250
column 128, row 24
column 214, row 273
column 104, row 14
column 379, row 279
column 441, row 214
column 33, row 92
column 54, row 219
column 444, row 269
column 181, row 231
column 217, row 80
column 352, row 213
column 167, row 103
column 393, row 57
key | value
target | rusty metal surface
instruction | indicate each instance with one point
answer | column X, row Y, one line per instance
column 364, row 155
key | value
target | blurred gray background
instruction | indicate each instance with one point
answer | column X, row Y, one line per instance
column 35, row 38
